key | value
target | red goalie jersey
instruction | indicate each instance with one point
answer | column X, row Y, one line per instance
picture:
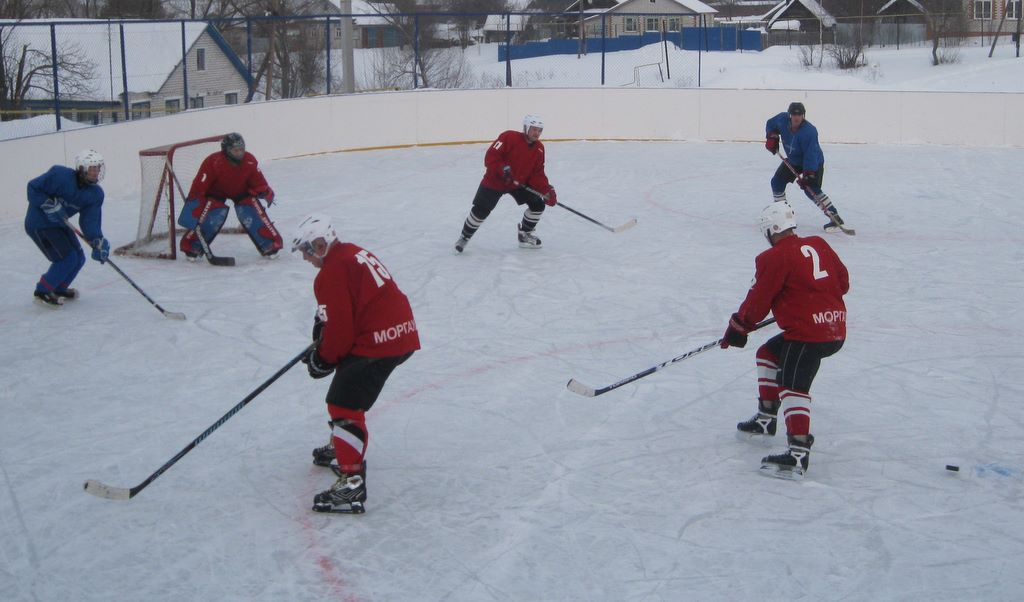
column 802, row 281
column 363, row 311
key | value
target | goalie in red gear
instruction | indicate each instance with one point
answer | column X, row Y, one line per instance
column 365, row 329
column 231, row 174
column 801, row 281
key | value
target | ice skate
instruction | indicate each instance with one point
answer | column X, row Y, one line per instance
column 527, row 240
column 68, row 294
column 346, row 496
column 323, row 456
column 47, row 300
column 759, row 428
column 192, row 257
column 460, row 245
column 790, row 464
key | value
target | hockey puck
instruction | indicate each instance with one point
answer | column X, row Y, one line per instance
column 953, row 467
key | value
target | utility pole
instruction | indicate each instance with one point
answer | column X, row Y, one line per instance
column 348, row 80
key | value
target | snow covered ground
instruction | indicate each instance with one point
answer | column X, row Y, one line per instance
column 488, row 479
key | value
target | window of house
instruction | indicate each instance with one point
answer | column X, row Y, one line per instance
column 231, row 98
column 674, row 23
column 172, row 105
column 982, row 9
column 196, row 102
column 141, row 110
column 200, row 59
column 1013, row 10
column 630, row 25
column 652, row 24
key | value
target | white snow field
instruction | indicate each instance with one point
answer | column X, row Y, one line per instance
column 488, row 480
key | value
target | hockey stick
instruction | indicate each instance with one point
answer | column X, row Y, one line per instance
column 625, row 226
column 587, row 391
column 119, row 493
column 838, row 221
column 169, row 314
column 210, row 257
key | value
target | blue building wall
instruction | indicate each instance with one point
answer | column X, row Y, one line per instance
column 690, row 38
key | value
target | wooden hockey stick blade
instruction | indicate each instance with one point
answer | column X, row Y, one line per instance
column 625, row 226
column 220, row 260
column 174, row 315
column 580, row 389
column 106, row 491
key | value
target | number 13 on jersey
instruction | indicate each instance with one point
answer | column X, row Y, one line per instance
column 377, row 269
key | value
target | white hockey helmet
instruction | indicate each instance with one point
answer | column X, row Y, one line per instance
column 532, row 121
column 90, row 158
column 313, row 227
column 776, row 218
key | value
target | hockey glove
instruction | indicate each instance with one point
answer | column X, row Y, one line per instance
column 736, row 333
column 100, row 249
column 806, row 179
column 506, row 176
column 317, row 367
column 54, row 210
column 266, row 194
column 550, row 199
column 772, row 143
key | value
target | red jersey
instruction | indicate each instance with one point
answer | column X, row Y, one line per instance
column 802, row 281
column 525, row 159
column 363, row 311
column 219, row 178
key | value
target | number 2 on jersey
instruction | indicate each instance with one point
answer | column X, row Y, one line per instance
column 377, row 269
column 808, row 251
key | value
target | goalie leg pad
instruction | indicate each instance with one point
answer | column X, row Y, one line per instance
column 257, row 224
column 212, row 214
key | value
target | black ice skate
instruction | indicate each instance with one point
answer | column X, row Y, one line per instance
column 68, row 294
column 460, row 245
column 323, row 456
column 47, row 300
column 346, row 496
column 761, row 426
column 790, row 464
column 527, row 240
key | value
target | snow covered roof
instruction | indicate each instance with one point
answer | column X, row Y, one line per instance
column 913, row 3
column 152, row 50
column 811, row 6
column 498, row 23
column 695, row 6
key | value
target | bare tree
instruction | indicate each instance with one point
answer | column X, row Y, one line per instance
column 27, row 72
column 947, row 23
column 133, row 9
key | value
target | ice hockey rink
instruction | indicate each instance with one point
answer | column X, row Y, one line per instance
column 488, row 479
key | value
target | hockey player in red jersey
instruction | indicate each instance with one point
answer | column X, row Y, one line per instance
column 231, row 174
column 513, row 161
column 365, row 329
column 802, row 282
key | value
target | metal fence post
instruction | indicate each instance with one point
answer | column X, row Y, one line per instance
column 415, row 51
column 604, row 45
column 508, row 49
column 124, row 75
column 56, row 78
column 184, row 69
column 327, row 47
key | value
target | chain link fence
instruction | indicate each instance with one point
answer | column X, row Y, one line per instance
column 70, row 74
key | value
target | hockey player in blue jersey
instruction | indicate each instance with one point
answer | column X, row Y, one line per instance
column 53, row 197
column 806, row 162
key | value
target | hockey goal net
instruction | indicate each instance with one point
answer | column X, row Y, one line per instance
column 167, row 174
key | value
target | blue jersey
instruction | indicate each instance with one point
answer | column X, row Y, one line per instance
column 801, row 146
column 61, row 183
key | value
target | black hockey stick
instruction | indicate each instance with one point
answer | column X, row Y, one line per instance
column 119, row 493
column 213, row 259
column 834, row 217
column 625, row 226
column 587, row 391
column 169, row 314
